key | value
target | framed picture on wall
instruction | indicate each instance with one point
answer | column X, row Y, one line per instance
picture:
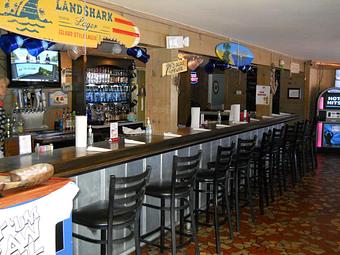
column 294, row 93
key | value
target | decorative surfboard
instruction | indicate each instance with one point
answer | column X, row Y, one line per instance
column 234, row 54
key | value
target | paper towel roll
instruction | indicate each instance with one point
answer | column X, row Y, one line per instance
column 195, row 117
column 235, row 113
column 81, row 131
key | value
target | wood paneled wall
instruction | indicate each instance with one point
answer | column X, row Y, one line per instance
column 289, row 80
column 161, row 92
column 318, row 78
column 235, row 80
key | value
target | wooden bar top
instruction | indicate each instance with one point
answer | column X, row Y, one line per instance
column 71, row 161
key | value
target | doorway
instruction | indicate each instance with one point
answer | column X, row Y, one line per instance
column 251, row 90
column 276, row 97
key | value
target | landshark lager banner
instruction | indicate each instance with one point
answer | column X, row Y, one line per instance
column 69, row 22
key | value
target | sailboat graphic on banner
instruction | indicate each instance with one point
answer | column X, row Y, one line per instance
column 26, row 15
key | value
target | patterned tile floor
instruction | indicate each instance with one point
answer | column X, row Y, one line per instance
column 305, row 220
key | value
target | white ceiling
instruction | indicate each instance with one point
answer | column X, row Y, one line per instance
column 308, row 29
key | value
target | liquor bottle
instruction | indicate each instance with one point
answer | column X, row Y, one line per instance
column 73, row 120
column 68, row 121
column 56, row 122
column 90, row 136
column 63, row 119
column 61, row 122
column 14, row 126
column 219, row 117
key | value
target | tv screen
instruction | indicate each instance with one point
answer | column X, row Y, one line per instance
column 26, row 70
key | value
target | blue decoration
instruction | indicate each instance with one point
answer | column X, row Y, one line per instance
column 35, row 46
column 11, row 42
column 139, row 54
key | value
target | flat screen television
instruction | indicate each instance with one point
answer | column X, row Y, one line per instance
column 28, row 71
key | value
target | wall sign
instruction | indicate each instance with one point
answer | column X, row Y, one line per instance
column 294, row 67
column 65, row 21
column 58, row 98
column 262, row 95
column 174, row 67
column 332, row 101
column 193, row 78
column 294, row 93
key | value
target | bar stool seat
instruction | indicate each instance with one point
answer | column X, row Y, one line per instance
column 207, row 174
column 163, row 189
column 95, row 215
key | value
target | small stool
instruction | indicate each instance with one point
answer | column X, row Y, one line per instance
column 181, row 188
column 121, row 211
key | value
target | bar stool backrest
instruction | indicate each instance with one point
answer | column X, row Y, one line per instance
column 126, row 194
column 309, row 129
column 266, row 143
column 290, row 134
column 300, row 128
column 223, row 159
column 184, row 170
column 245, row 149
column 278, row 137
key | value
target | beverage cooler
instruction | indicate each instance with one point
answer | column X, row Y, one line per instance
column 328, row 115
column 108, row 94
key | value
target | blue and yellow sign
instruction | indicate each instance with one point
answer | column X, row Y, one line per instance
column 69, row 22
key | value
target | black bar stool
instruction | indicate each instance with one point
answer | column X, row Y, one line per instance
column 300, row 149
column 277, row 148
column 217, row 174
column 263, row 172
column 290, row 154
column 180, row 188
column 121, row 211
column 309, row 144
column 241, row 176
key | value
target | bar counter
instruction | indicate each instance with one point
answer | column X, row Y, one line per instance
column 91, row 170
column 71, row 161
